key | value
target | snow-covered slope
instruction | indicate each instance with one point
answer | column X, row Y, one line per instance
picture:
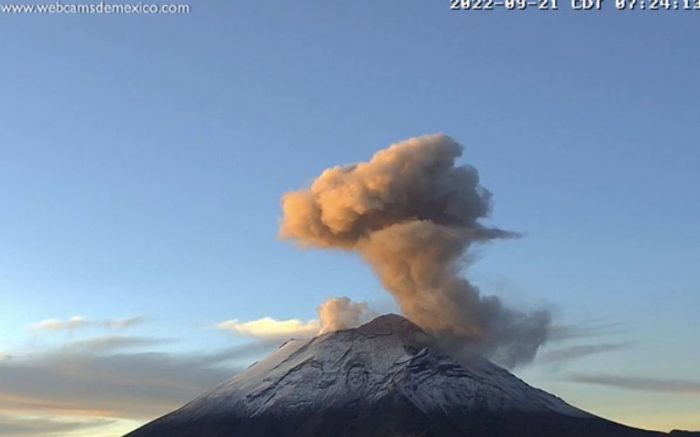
column 389, row 355
column 385, row 371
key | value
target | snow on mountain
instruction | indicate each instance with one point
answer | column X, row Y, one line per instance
column 385, row 378
column 387, row 355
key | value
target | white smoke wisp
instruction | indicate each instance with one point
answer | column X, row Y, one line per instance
column 412, row 213
column 340, row 313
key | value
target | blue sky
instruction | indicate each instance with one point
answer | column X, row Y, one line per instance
column 142, row 160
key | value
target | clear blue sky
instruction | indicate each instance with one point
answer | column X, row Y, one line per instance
column 142, row 159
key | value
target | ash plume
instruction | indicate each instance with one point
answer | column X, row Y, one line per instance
column 412, row 213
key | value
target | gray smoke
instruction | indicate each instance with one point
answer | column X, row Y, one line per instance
column 412, row 214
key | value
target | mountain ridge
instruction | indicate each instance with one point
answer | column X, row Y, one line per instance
column 387, row 377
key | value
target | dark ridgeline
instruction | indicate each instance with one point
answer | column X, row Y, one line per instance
column 387, row 378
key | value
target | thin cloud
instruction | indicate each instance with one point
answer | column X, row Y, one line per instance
column 269, row 329
column 584, row 329
column 660, row 385
column 122, row 323
column 113, row 342
column 104, row 377
column 75, row 322
column 31, row 427
column 79, row 322
column 580, row 351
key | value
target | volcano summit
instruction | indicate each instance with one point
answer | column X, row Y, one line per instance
column 387, row 378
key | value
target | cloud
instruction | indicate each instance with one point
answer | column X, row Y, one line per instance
column 33, row 426
column 579, row 351
column 78, row 322
column 113, row 342
column 269, row 329
column 122, row 323
column 94, row 381
column 75, row 322
column 661, row 385
column 584, row 329
column 334, row 314
column 104, row 377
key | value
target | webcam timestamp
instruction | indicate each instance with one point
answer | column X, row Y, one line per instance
column 476, row 5
column 577, row 5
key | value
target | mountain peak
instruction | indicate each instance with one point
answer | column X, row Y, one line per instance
column 388, row 324
column 389, row 318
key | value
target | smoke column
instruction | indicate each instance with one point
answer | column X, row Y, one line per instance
column 412, row 214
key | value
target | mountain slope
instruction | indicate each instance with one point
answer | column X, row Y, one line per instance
column 385, row 378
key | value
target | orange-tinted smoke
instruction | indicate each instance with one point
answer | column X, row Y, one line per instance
column 412, row 213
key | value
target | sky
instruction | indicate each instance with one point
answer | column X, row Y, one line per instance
column 143, row 158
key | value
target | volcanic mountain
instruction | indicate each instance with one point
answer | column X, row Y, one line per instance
column 387, row 378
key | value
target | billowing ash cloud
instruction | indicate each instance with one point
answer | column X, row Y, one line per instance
column 340, row 313
column 412, row 214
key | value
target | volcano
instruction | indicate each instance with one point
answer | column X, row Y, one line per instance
column 387, row 378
